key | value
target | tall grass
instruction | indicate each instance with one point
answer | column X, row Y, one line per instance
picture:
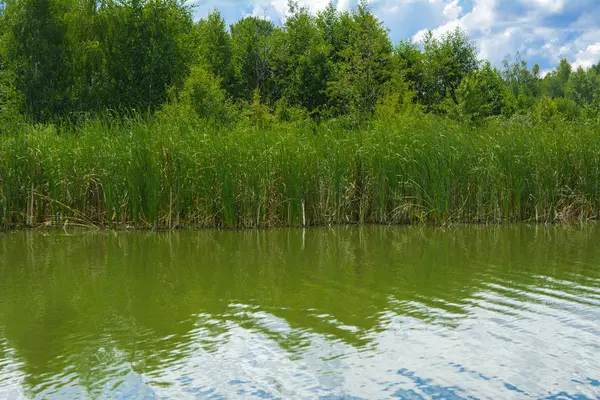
column 415, row 169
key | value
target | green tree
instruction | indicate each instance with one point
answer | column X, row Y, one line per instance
column 252, row 45
column 560, row 108
column 583, row 86
column 481, row 94
column 364, row 67
column 409, row 63
column 148, row 49
column 523, row 85
column 336, row 29
column 215, row 48
column 256, row 113
column 34, row 47
column 555, row 82
column 86, row 66
column 303, row 61
column 398, row 98
column 9, row 98
column 447, row 61
column 202, row 96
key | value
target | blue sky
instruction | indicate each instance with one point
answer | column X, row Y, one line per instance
column 542, row 31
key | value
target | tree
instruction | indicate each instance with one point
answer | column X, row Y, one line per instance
column 582, row 87
column 257, row 113
column 556, row 81
column 215, row 48
column 9, row 97
column 10, row 100
column 83, row 55
column 447, row 61
column 481, row 94
column 87, row 58
column 549, row 109
column 252, row 44
column 364, row 66
column 409, row 64
column 336, row 29
column 398, row 98
column 203, row 96
column 34, row 37
column 303, row 61
column 148, row 49
column 523, row 85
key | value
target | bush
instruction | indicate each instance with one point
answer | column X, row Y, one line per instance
column 481, row 94
column 256, row 113
column 10, row 100
column 398, row 98
column 284, row 112
column 560, row 108
column 201, row 96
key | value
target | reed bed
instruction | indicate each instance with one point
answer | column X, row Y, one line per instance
column 414, row 169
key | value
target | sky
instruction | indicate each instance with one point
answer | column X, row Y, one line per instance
column 542, row 31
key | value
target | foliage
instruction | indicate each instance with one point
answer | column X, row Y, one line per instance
column 70, row 56
column 252, row 41
column 583, row 87
column 556, row 81
column 411, row 168
column 523, row 85
column 34, row 33
column 364, row 65
column 481, row 94
column 284, row 112
column 203, row 97
column 398, row 98
column 549, row 109
column 146, row 51
column 215, row 48
column 64, row 61
column 256, row 113
column 409, row 64
column 304, row 68
column 447, row 61
column 10, row 99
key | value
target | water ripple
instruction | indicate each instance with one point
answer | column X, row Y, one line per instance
column 350, row 313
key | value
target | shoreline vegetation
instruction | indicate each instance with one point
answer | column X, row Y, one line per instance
column 130, row 113
column 408, row 169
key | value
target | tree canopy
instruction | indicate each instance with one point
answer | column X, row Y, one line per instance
column 63, row 58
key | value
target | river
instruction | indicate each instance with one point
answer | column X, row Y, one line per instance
column 335, row 313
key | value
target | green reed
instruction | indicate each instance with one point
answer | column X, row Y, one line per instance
column 149, row 172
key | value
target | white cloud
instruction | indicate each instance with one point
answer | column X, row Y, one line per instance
column 553, row 6
column 475, row 23
column 452, row 10
column 588, row 57
column 344, row 5
column 541, row 30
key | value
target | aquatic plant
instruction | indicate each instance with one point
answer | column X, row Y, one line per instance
column 155, row 172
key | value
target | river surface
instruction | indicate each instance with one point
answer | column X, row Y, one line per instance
column 345, row 313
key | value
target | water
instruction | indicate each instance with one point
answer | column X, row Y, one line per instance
column 372, row 312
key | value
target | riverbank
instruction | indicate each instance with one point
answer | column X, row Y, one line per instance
column 413, row 169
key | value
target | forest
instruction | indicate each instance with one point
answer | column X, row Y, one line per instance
column 69, row 59
column 133, row 112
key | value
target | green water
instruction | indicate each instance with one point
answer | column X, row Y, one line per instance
column 371, row 312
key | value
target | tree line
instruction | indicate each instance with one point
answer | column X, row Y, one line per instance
column 69, row 58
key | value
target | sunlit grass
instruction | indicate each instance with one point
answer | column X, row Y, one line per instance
column 417, row 169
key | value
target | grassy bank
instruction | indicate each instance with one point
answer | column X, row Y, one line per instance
column 405, row 170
